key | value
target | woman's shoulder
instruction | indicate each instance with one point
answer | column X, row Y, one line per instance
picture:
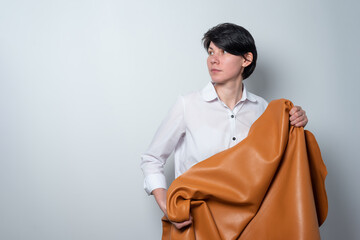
column 258, row 98
column 184, row 100
column 258, row 102
column 191, row 96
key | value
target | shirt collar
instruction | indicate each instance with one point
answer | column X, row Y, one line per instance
column 209, row 93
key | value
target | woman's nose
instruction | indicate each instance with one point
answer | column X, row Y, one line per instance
column 214, row 59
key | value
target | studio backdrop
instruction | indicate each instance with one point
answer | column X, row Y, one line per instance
column 85, row 84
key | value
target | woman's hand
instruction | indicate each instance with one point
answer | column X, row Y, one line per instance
column 298, row 117
column 160, row 197
column 180, row 225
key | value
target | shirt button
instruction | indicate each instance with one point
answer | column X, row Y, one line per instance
column 234, row 138
column 232, row 116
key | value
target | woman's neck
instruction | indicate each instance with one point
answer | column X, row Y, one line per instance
column 229, row 92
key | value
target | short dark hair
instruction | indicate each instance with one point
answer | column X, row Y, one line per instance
column 233, row 39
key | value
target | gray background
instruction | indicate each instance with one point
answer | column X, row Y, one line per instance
column 85, row 84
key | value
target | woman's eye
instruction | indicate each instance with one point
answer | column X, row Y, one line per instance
column 211, row 53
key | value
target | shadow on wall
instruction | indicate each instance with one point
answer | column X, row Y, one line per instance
column 261, row 82
column 340, row 211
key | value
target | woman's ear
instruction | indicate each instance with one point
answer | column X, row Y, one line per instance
column 248, row 58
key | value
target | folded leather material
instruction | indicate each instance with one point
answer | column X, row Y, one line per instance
column 270, row 186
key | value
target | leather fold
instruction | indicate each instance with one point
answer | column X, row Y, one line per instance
column 271, row 185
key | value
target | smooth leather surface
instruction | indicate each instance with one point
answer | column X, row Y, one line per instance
column 270, row 186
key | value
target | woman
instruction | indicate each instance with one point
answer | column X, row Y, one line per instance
column 203, row 123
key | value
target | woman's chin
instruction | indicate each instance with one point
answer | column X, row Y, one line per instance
column 218, row 81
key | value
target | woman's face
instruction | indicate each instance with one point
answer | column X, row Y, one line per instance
column 224, row 66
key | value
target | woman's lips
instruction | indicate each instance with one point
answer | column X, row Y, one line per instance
column 215, row 70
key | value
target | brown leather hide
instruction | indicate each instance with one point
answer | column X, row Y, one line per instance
column 271, row 185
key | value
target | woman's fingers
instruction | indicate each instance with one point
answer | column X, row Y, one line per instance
column 300, row 121
column 297, row 120
column 298, row 117
column 296, row 112
column 295, row 109
column 183, row 224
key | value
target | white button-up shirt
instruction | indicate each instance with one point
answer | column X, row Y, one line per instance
column 198, row 126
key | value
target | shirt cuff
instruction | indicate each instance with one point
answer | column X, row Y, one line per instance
column 154, row 181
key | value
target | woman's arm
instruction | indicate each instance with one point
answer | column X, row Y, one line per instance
column 153, row 160
column 167, row 136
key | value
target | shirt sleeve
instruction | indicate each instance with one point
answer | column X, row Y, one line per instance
column 171, row 129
